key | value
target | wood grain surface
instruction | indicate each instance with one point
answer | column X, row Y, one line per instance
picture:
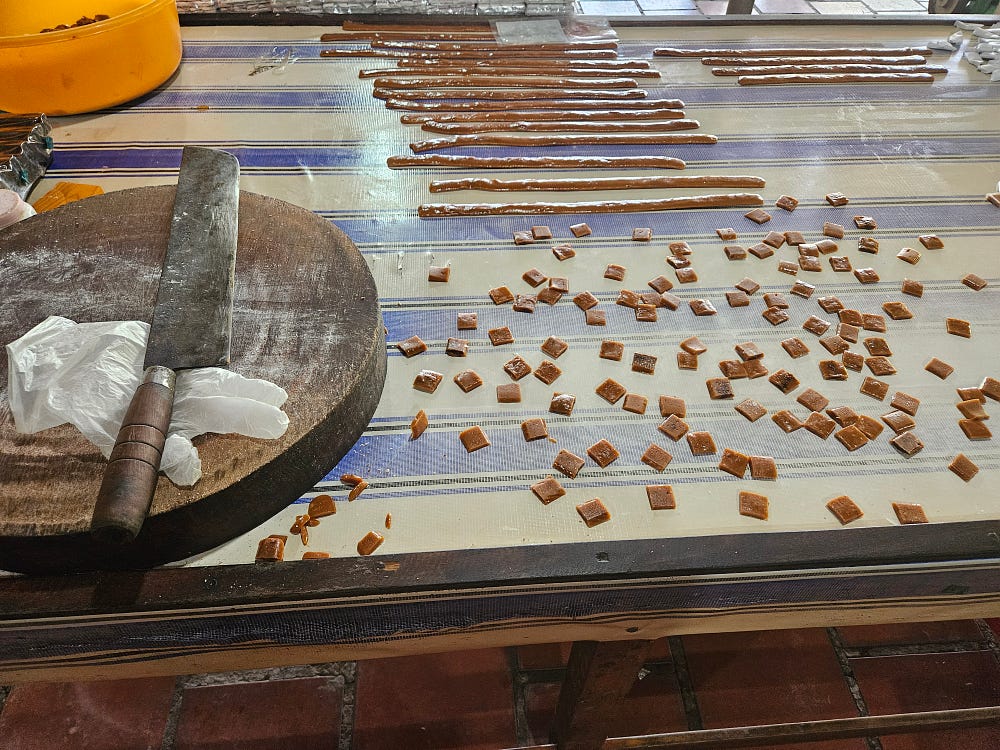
column 305, row 316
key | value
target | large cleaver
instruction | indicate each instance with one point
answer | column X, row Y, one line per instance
column 192, row 326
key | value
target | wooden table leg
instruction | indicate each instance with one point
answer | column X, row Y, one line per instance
column 598, row 676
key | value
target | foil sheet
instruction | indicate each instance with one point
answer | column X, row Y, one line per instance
column 25, row 151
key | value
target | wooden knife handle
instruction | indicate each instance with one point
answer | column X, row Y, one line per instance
column 130, row 477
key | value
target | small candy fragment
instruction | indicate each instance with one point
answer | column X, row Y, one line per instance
column 418, row 425
column 593, row 512
column 656, row 457
column 473, row 438
column 701, row 443
column 562, row 403
column 412, row 346
column 501, row 295
column 734, row 462
column 554, row 347
column 753, row 505
column 509, row 393
column 500, row 336
column 568, row 463
column 612, row 350
column 548, row 490
column 534, row 429
column 370, row 542
column 909, row 513
column 427, row 381
column 547, row 372
column 845, row 509
column 751, row 409
column 937, row 367
column 271, row 548
column 963, row 468
column 579, row 230
column 958, row 327
column 660, row 496
column 439, row 273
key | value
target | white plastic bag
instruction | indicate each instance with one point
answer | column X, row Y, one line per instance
column 85, row 374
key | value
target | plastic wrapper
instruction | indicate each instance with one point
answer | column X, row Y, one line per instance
column 85, row 374
column 25, row 151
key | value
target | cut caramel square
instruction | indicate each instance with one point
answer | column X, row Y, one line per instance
column 909, row 513
column 656, row 457
column 660, row 496
column 593, row 512
column 845, row 509
column 603, row 453
column 753, row 505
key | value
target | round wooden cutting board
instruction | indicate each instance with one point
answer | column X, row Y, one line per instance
column 305, row 316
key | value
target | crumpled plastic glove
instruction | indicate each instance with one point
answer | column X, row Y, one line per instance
column 85, row 374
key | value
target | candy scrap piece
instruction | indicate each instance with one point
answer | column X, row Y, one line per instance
column 845, row 509
column 963, row 468
column 909, row 513
column 473, row 438
column 418, row 425
column 439, row 273
column 593, row 512
column 271, row 548
column 412, row 346
column 370, row 542
column 548, row 490
column 753, row 505
column 656, row 457
column 322, row 506
column 568, row 463
column 661, row 497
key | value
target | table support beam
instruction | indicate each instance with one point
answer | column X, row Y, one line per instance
column 598, row 676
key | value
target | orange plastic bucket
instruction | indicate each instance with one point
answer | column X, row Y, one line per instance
column 89, row 67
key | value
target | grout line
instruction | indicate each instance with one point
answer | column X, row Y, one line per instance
column 518, row 680
column 992, row 642
column 173, row 716
column 873, row 743
column 347, row 681
column 912, row 649
column 683, row 675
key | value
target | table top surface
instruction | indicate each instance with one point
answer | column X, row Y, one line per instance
column 917, row 158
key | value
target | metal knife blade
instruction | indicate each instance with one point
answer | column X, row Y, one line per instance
column 192, row 327
column 193, row 318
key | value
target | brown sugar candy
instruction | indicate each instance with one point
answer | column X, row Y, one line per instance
column 851, row 437
column 831, row 369
column 787, row 421
column 456, row 347
column 645, row 313
column 473, row 438
column 912, row 288
column 660, row 284
column 686, row 275
column 701, row 443
column 795, row 348
column 370, row 542
column 751, row 409
column 909, row 255
column 760, row 250
column 549, row 295
column 523, row 238
column 907, row 443
column 755, row 368
column 774, row 239
column 753, row 505
column 322, row 506
column 865, row 222
column 501, row 295
column 735, row 252
column 509, row 393
column 737, row 299
column 612, row 350
column 678, row 261
column 974, row 282
column 548, row 490
column 525, row 303
column 866, row 275
column 816, row 325
column 972, row 409
column 635, row 403
column 610, row 390
column 830, row 304
column 468, row 380
column 802, row 289
column 418, row 425
column 897, row 310
column 595, row 317
column 644, row 363
column 842, row 415
column 931, row 241
column 614, row 272
column 733, row 368
column 467, row 321
column 734, row 462
column 904, row 402
column 579, row 230
column 541, row 232
column 603, row 453
column 963, row 468
column 763, row 467
column 937, row 367
column 758, row 216
column 794, row 238
column 439, row 273
column 726, row 234
column 315, row 555
column 660, row 496
column 585, row 300
column 656, row 457
column 642, row 234
column 747, row 285
column 427, row 381
column 899, row 421
column 833, row 230
column 845, row 509
column 412, row 346
column 874, row 388
column 687, row 361
column 868, row 245
column 748, row 350
column 562, row 403
column 975, row 429
column 820, row 425
column 547, row 372
column 786, row 202
column 841, row 263
column 517, row 367
column 593, row 512
column 534, row 277
column 682, row 248
column 554, row 347
column 958, row 327
column 788, row 267
column 568, row 463
column 909, row 513
column 672, row 405
column 500, row 336
column 673, row 427
column 877, row 347
column 848, row 332
column 534, row 429
column 837, row 199
column 271, row 548
column 693, row 345
column 869, row 426
column 564, row 251
column 852, row 361
column 809, row 264
column 719, row 388
column 813, row 400
column 990, row 387
column 784, row 381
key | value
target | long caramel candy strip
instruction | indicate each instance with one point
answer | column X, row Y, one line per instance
column 474, row 81
column 786, row 51
column 523, row 62
column 514, row 139
column 450, row 46
column 499, row 54
column 484, row 106
column 763, row 70
column 595, row 183
column 511, row 95
column 465, row 70
column 430, row 36
column 535, row 162
column 842, row 60
column 559, row 127
column 836, row 78
column 546, row 115
column 407, row 28
column 433, row 210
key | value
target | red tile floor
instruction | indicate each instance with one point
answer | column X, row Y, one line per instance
column 503, row 698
